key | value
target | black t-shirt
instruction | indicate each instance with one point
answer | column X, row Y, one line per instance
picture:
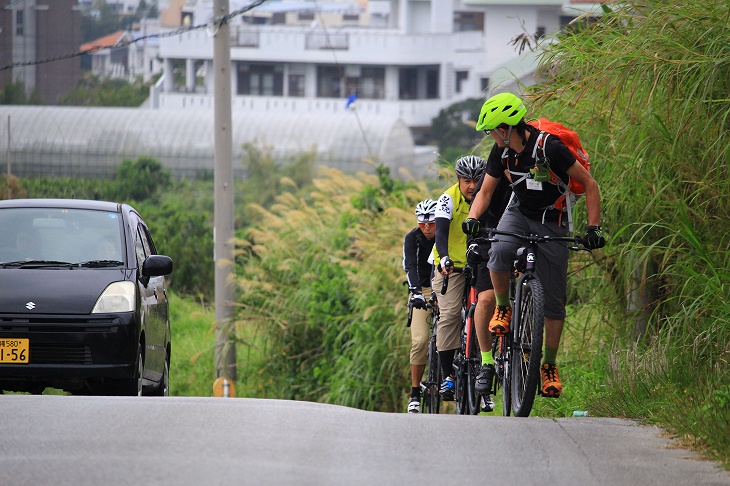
column 416, row 250
column 497, row 205
column 533, row 197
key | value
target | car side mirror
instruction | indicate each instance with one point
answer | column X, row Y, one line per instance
column 156, row 265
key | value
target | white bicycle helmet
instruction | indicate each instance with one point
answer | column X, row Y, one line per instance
column 470, row 167
column 426, row 211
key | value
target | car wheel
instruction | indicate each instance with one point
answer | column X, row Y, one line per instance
column 133, row 386
column 163, row 389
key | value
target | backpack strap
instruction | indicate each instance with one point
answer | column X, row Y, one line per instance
column 540, row 143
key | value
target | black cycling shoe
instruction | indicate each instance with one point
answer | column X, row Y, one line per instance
column 483, row 385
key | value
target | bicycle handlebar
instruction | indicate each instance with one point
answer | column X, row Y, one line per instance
column 488, row 235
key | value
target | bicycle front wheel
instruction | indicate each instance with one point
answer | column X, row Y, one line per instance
column 527, row 349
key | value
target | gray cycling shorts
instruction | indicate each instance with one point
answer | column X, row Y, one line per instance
column 552, row 258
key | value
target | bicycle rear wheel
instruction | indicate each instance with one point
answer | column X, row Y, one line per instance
column 502, row 376
column 527, row 349
column 473, row 366
column 431, row 402
column 460, row 393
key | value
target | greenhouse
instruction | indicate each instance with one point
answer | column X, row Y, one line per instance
column 92, row 142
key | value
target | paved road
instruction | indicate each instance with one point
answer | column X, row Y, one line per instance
column 185, row 441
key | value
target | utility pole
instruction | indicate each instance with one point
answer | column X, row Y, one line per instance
column 225, row 349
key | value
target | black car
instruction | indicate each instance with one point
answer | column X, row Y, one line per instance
column 83, row 299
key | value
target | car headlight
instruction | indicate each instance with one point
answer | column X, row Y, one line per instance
column 117, row 297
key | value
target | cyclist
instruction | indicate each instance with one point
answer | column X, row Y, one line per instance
column 477, row 255
column 531, row 211
column 449, row 259
column 417, row 247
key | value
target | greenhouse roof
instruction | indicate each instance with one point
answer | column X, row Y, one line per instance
column 60, row 140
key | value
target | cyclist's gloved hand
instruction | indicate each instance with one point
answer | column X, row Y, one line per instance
column 471, row 226
column 418, row 301
column 594, row 237
column 473, row 257
column 446, row 263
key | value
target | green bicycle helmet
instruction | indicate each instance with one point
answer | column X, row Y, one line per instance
column 502, row 108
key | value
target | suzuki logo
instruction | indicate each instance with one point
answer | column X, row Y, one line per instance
column 30, row 305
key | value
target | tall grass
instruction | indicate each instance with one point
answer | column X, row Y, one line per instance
column 647, row 86
column 320, row 280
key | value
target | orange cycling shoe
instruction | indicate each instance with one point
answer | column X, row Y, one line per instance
column 499, row 324
column 551, row 386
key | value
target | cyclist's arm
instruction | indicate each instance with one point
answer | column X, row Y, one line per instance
column 410, row 260
column 481, row 200
column 593, row 193
column 442, row 236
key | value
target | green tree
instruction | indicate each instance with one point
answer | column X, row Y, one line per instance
column 95, row 91
column 14, row 94
column 454, row 129
column 141, row 179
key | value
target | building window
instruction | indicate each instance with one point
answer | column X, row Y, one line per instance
column 432, row 84
column 260, row 80
column 370, row 83
column 461, row 76
column 468, row 21
column 308, row 16
column 328, row 82
column 296, row 85
column 418, row 83
column 19, row 22
column 484, row 84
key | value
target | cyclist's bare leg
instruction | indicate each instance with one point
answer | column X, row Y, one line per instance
column 482, row 314
column 553, row 332
column 417, row 375
column 500, row 281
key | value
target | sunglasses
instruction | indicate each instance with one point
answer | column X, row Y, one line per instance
column 427, row 224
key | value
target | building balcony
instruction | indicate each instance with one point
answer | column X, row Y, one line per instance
column 306, row 45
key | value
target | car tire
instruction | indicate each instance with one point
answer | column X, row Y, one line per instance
column 133, row 386
column 163, row 389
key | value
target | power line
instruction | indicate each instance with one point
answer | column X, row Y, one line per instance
column 216, row 22
column 341, row 70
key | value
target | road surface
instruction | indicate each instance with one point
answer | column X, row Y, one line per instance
column 59, row 440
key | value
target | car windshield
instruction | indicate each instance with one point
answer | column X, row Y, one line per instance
column 46, row 236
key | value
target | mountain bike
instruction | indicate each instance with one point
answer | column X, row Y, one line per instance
column 430, row 397
column 517, row 354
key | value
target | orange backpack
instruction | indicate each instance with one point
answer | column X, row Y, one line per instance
column 572, row 141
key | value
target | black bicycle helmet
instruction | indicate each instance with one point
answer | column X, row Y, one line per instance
column 470, row 167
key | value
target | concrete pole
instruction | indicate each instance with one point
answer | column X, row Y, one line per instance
column 225, row 350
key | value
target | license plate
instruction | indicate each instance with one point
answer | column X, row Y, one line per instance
column 14, row 350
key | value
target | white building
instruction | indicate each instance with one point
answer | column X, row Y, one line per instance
column 402, row 58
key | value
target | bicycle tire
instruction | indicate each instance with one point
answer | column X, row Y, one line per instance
column 473, row 366
column 431, row 402
column 527, row 348
column 460, row 393
column 502, row 378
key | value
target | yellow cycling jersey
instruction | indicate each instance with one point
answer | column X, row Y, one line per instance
column 453, row 205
